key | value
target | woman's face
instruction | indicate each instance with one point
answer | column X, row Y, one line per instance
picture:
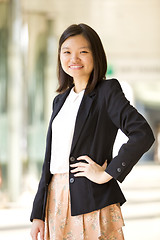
column 76, row 58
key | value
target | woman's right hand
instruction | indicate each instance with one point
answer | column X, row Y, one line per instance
column 37, row 227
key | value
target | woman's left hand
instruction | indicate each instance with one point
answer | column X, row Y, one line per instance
column 91, row 170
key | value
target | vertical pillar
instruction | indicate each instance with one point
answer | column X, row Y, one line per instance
column 4, row 6
column 36, row 85
column 51, row 82
column 15, row 101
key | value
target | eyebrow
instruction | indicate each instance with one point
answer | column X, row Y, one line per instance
column 79, row 48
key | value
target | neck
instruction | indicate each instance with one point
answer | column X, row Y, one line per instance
column 79, row 86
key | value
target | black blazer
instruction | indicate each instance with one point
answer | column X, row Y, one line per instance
column 100, row 115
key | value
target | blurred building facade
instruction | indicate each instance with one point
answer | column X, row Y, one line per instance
column 29, row 32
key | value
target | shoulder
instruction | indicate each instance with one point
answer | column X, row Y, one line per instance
column 61, row 97
column 109, row 86
column 55, row 100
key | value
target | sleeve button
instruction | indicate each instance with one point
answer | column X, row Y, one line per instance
column 119, row 170
column 123, row 164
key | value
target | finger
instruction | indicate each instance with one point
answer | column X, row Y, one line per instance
column 88, row 159
column 34, row 235
column 78, row 169
column 42, row 234
column 81, row 164
column 80, row 174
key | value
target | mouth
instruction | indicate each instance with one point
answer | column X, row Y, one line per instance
column 75, row 66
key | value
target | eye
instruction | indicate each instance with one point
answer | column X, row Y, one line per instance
column 66, row 52
column 84, row 51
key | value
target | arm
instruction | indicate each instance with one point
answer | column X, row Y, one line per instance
column 39, row 204
column 38, row 211
column 136, row 128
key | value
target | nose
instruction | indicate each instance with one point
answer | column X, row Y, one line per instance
column 74, row 57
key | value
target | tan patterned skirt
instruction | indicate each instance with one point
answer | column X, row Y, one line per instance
column 104, row 224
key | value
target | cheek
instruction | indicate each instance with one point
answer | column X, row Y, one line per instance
column 90, row 61
column 63, row 62
column 91, row 64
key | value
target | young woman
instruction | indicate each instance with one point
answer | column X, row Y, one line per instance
column 78, row 195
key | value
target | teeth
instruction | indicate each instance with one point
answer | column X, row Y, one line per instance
column 75, row 67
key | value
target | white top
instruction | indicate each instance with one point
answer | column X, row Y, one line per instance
column 62, row 132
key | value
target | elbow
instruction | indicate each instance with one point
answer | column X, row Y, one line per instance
column 148, row 138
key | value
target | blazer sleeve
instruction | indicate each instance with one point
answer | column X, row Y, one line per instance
column 39, row 203
column 133, row 125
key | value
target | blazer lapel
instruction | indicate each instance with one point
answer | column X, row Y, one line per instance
column 82, row 116
column 82, row 112
column 59, row 102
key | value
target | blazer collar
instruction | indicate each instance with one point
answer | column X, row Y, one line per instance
column 60, row 99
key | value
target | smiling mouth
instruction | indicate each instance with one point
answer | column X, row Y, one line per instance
column 75, row 66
